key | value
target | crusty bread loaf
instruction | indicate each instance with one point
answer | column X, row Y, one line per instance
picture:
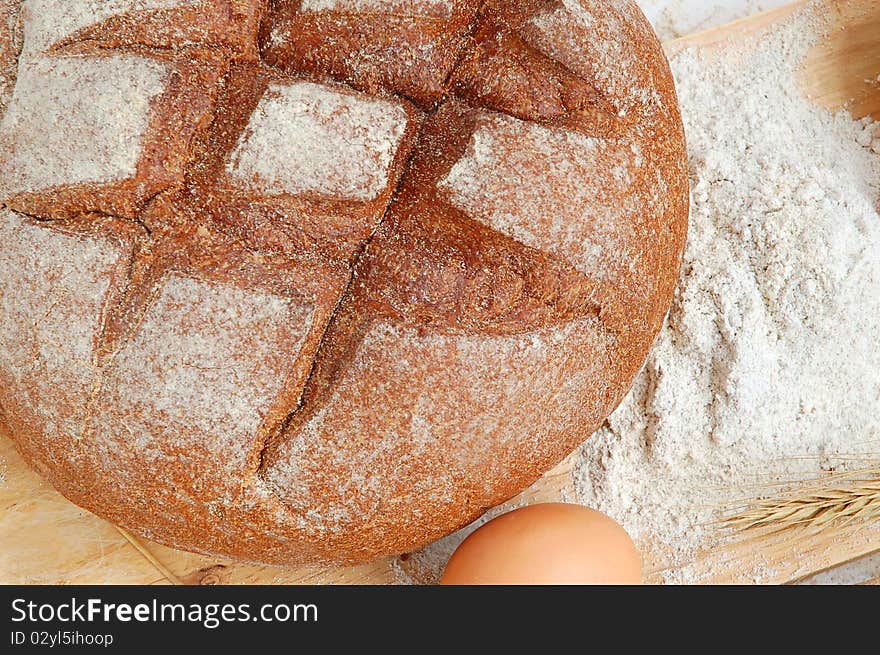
column 319, row 280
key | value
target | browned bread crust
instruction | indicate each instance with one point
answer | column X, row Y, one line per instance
column 305, row 281
column 10, row 47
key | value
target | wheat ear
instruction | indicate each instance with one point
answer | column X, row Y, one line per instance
column 837, row 501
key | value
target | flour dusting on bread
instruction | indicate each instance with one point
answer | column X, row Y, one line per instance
column 50, row 21
column 311, row 138
column 423, row 442
column 550, row 188
column 73, row 121
column 428, row 8
column 199, row 376
column 51, row 301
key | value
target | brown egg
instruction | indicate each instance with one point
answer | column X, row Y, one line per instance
column 546, row 544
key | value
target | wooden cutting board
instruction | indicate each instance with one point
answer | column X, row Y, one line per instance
column 46, row 539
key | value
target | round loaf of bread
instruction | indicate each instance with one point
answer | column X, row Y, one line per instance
column 300, row 281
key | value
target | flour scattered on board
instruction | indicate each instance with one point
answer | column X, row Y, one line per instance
column 769, row 366
column 675, row 18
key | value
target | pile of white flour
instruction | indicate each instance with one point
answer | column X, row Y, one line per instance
column 675, row 18
column 769, row 366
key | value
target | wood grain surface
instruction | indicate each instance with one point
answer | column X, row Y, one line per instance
column 46, row 539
